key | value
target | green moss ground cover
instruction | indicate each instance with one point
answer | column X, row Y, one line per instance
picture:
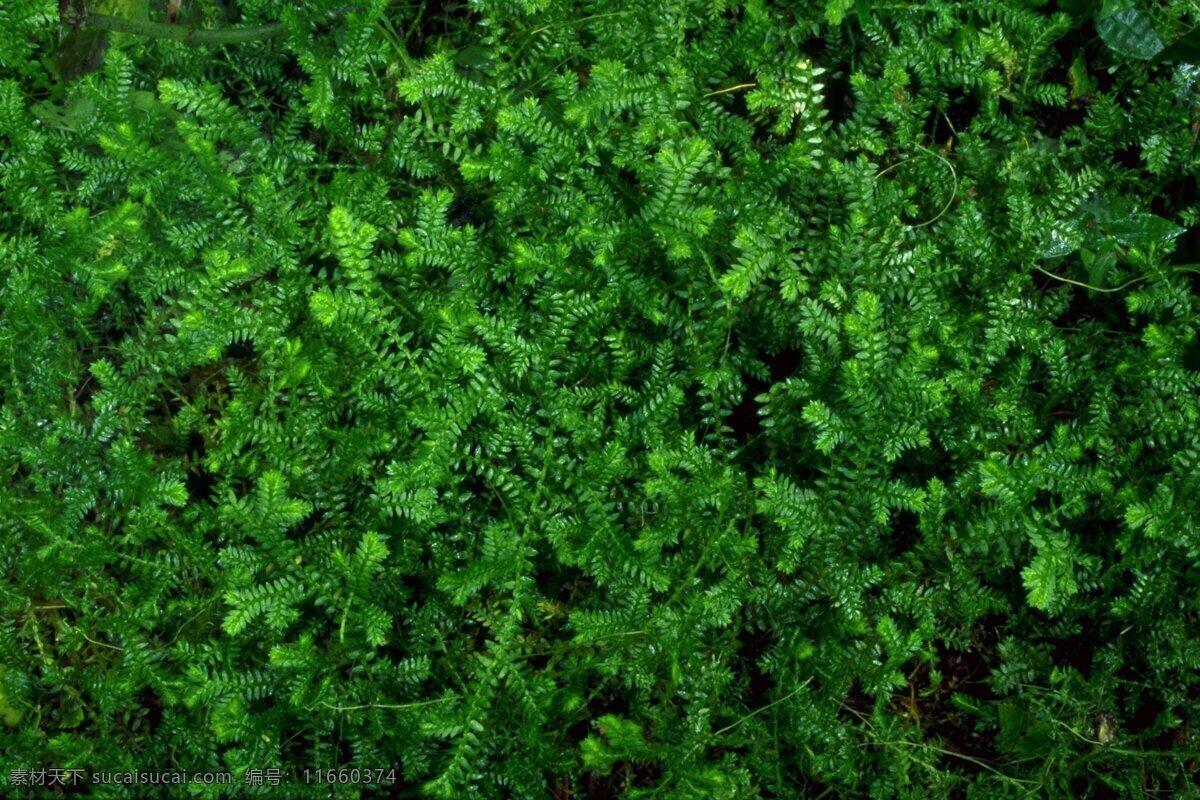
column 575, row 399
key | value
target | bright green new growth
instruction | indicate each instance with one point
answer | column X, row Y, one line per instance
column 558, row 400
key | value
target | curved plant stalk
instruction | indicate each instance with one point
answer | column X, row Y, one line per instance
column 196, row 36
column 183, row 33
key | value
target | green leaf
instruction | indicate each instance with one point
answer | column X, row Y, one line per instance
column 324, row 307
column 172, row 492
column 620, row 739
column 477, row 56
column 352, row 240
column 1050, row 577
column 1128, row 32
column 372, row 550
column 1082, row 83
column 1059, row 241
column 1142, row 230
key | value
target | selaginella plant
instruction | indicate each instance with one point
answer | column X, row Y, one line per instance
column 548, row 399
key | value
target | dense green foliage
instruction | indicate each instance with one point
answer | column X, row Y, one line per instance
column 547, row 399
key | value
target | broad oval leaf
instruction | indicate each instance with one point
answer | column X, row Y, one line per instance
column 1142, row 230
column 1128, row 32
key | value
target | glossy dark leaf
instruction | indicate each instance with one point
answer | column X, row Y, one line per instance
column 1130, row 33
column 1142, row 230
